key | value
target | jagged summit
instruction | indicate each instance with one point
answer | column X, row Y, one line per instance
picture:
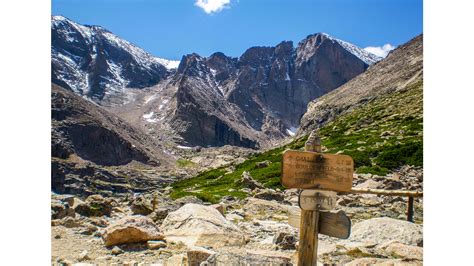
column 362, row 54
column 94, row 62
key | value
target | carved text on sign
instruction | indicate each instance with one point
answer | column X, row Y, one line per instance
column 316, row 170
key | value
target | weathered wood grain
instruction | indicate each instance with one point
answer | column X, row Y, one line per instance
column 303, row 169
column 401, row 193
column 331, row 223
column 312, row 199
column 308, row 244
column 335, row 224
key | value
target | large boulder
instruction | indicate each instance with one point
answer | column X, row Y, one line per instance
column 131, row 229
column 199, row 225
column 381, row 230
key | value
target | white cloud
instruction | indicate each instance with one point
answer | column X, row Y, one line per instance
column 212, row 6
column 381, row 51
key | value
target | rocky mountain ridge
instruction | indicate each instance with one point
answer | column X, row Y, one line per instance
column 249, row 101
column 252, row 101
column 94, row 62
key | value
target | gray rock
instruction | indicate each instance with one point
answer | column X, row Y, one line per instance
column 116, row 250
column 155, row 244
column 220, row 207
column 199, row 225
column 381, row 262
column 380, row 230
column 249, row 182
column 96, row 205
column 68, row 222
column 390, row 183
column 197, row 255
column 89, row 230
column 84, row 256
column 61, row 209
column 284, row 240
column 249, row 257
column 160, row 213
column 263, row 164
column 269, row 194
column 400, row 250
column 370, row 184
column 188, row 199
column 141, row 206
column 131, row 229
column 176, row 260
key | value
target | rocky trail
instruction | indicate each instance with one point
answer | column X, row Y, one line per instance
column 152, row 229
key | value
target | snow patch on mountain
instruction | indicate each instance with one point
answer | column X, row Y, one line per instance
column 291, row 131
column 169, row 64
column 362, row 54
column 79, row 52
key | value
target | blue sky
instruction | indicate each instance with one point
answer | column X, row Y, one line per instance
column 172, row 28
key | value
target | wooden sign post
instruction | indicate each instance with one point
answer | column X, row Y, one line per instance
column 309, row 223
column 311, row 169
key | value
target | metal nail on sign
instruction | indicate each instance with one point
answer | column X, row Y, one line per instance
column 302, row 169
column 311, row 200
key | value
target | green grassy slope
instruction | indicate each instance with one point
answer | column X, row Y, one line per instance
column 380, row 136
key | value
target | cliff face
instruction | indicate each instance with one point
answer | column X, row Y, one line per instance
column 278, row 82
column 402, row 68
column 82, row 128
column 202, row 115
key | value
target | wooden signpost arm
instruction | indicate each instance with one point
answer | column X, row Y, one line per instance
column 401, row 193
column 309, row 223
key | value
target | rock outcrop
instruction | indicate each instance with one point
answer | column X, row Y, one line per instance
column 131, row 229
column 199, row 225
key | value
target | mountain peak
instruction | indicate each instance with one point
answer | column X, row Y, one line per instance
column 93, row 61
column 317, row 38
